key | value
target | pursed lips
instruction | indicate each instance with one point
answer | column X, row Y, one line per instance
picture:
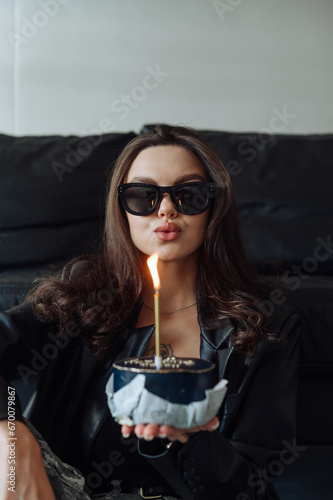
column 168, row 232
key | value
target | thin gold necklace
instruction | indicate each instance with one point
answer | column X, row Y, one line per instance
column 170, row 312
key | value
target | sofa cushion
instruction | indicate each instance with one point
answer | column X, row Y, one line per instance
column 313, row 301
column 15, row 284
column 52, row 192
column 283, row 191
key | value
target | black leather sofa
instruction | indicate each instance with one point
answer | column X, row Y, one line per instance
column 52, row 193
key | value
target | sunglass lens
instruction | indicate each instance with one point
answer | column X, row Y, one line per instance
column 191, row 200
column 141, row 199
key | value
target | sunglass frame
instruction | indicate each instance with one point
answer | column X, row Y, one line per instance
column 207, row 188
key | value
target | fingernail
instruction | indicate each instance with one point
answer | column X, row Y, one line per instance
column 162, row 436
column 214, row 427
column 126, row 436
column 148, row 438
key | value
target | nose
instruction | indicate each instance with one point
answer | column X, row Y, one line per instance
column 167, row 208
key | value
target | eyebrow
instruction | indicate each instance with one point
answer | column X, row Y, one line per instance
column 180, row 180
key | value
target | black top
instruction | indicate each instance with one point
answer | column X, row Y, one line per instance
column 257, row 417
column 112, row 455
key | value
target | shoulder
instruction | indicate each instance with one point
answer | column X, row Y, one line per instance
column 73, row 270
column 283, row 341
column 285, row 322
column 22, row 312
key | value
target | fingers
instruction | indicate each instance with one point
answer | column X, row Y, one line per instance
column 147, row 431
column 170, row 433
column 183, row 435
column 151, row 431
column 126, row 430
column 212, row 425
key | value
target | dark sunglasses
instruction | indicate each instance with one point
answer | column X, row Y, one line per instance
column 191, row 198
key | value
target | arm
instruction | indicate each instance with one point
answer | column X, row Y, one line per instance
column 23, row 476
column 21, row 458
column 241, row 460
column 26, row 347
column 16, row 340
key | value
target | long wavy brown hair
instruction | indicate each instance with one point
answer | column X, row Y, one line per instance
column 102, row 291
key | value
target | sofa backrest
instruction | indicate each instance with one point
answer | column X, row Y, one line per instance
column 52, row 192
column 283, row 189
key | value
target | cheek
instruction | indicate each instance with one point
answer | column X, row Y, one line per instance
column 198, row 230
column 137, row 228
column 202, row 225
column 134, row 225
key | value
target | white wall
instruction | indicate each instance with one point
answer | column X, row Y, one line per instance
column 66, row 65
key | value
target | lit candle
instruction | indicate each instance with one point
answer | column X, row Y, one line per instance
column 152, row 264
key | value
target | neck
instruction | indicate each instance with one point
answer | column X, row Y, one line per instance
column 178, row 285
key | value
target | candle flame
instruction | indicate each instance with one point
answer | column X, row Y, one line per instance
column 152, row 264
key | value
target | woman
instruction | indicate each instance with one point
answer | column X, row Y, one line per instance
column 169, row 193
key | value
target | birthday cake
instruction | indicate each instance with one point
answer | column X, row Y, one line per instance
column 181, row 393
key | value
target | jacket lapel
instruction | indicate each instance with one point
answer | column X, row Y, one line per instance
column 134, row 342
column 216, row 345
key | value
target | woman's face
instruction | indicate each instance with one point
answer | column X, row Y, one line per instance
column 174, row 235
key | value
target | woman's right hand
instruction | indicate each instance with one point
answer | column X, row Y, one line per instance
column 31, row 480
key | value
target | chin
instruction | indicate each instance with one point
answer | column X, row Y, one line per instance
column 169, row 255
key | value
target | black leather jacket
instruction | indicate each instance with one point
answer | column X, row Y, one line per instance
column 239, row 461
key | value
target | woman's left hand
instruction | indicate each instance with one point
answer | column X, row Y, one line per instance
column 151, row 431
